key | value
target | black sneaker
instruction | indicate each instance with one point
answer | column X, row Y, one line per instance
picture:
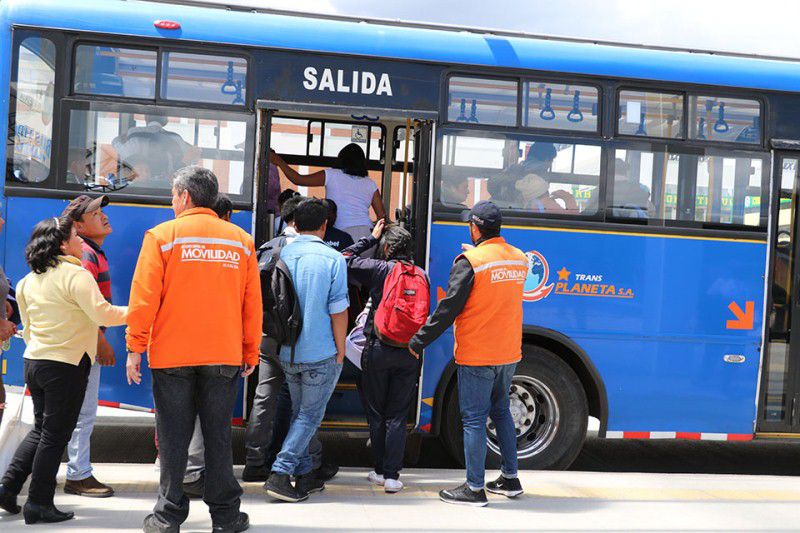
column 463, row 495
column 195, row 489
column 242, row 523
column 279, row 486
column 255, row 473
column 326, row 471
column 309, row 483
column 505, row 486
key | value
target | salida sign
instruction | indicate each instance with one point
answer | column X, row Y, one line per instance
column 341, row 81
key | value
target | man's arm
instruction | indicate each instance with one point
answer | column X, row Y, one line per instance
column 459, row 287
column 145, row 299
column 338, row 303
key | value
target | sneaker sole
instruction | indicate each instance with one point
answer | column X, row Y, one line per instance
column 315, row 489
column 470, row 504
column 284, row 498
column 392, row 491
column 506, row 493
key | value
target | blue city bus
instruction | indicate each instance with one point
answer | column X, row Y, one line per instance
column 653, row 191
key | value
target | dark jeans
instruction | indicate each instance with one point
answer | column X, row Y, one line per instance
column 57, row 391
column 389, row 378
column 482, row 393
column 270, row 417
column 180, row 395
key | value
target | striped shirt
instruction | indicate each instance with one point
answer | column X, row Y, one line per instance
column 94, row 260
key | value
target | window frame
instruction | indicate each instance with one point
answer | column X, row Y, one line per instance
column 618, row 115
column 762, row 106
column 657, row 146
column 521, row 214
column 521, row 79
column 192, row 51
column 142, row 48
column 156, row 195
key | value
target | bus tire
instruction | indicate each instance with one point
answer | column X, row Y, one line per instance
column 552, row 434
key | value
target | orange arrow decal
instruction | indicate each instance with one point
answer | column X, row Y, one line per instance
column 440, row 294
column 744, row 319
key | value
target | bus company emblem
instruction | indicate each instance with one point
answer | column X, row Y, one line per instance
column 536, row 287
column 340, row 81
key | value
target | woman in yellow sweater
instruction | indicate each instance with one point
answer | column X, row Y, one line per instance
column 61, row 308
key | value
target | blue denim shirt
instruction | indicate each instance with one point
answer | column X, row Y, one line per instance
column 319, row 274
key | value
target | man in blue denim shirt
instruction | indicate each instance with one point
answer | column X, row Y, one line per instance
column 319, row 274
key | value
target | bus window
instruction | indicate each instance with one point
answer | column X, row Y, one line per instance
column 560, row 106
column 728, row 188
column 203, row 78
column 724, row 119
column 650, row 114
column 32, row 94
column 111, row 150
column 337, row 136
column 482, row 101
column 115, row 71
column 536, row 176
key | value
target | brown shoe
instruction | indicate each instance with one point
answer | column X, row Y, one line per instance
column 89, row 487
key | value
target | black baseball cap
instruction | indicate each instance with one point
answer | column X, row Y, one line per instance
column 484, row 214
column 84, row 204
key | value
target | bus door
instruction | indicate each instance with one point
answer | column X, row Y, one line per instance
column 779, row 397
column 309, row 136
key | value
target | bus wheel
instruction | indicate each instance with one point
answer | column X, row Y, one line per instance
column 550, row 412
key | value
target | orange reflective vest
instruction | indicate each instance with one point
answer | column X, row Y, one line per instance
column 489, row 329
column 196, row 294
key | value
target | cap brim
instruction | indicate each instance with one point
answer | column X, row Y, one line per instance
column 465, row 215
column 97, row 203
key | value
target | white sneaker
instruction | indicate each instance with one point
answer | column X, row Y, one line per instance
column 392, row 485
column 375, row 478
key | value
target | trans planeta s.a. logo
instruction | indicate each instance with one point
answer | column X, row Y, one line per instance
column 536, row 287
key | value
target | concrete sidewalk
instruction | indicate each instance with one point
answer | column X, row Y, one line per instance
column 554, row 501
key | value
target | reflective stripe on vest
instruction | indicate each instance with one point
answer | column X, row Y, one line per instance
column 489, row 329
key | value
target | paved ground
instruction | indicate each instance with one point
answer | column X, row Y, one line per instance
column 554, row 501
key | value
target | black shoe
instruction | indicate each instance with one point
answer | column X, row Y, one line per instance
column 242, row 523
column 463, row 495
column 326, row 471
column 48, row 514
column 279, row 486
column 255, row 473
column 309, row 483
column 505, row 486
column 8, row 501
column 195, row 488
column 151, row 525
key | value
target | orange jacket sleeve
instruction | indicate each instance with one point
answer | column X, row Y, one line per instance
column 252, row 311
column 145, row 300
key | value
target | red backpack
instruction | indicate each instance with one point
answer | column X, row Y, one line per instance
column 404, row 306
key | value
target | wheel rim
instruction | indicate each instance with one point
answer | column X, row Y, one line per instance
column 536, row 416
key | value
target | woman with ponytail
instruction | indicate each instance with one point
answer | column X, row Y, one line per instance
column 389, row 371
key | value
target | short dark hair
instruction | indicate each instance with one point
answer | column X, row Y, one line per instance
column 488, row 232
column 351, row 160
column 333, row 211
column 289, row 206
column 44, row 246
column 285, row 195
column 201, row 183
column 223, row 206
column 397, row 243
column 310, row 215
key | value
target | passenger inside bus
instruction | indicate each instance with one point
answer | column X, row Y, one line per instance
column 455, row 190
column 348, row 184
column 152, row 153
column 630, row 198
column 536, row 196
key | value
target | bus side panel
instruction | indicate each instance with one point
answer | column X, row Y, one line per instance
column 129, row 223
column 656, row 314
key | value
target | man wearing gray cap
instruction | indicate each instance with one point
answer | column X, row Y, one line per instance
column 93, row 227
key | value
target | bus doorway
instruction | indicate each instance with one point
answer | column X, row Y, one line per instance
column 398, row 152
column 779, row 397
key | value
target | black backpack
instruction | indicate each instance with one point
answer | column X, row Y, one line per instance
column 283, row 318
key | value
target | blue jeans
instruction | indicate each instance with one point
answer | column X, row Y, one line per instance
column 311, row 386
column 79, row 448
column 482, row 393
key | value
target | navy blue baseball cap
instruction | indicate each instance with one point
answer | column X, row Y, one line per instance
column 484, row 214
